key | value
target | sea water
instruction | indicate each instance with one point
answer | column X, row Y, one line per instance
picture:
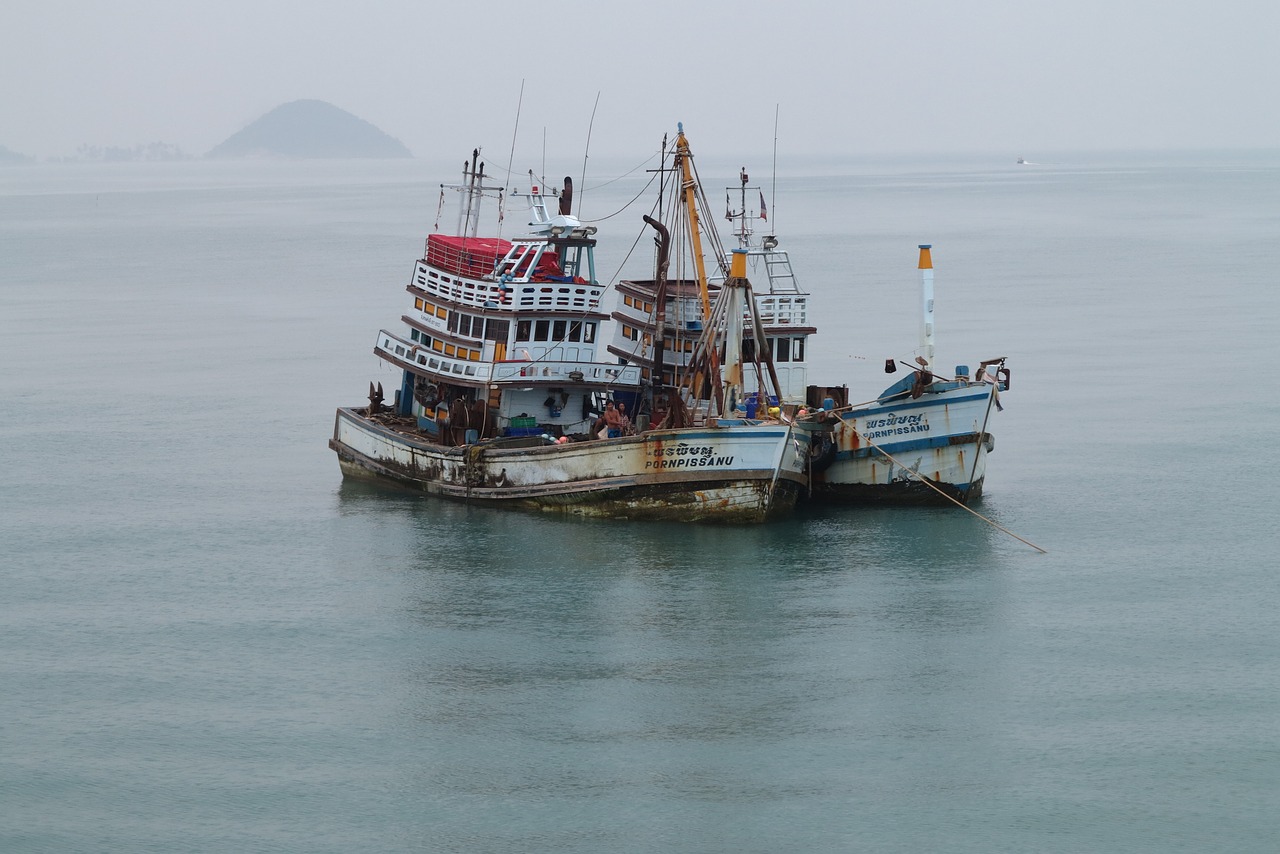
column 210, row 642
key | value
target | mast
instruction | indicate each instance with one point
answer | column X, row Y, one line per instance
column 690, row 186
column 473, row 188
column 744, row 229
column 660, row 320
column 926, row 305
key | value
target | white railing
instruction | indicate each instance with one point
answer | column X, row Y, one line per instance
column 573, row 296
column 566, row 372
column 528, row 371
column 783, row 310
column 457, row 288
column 430, row 359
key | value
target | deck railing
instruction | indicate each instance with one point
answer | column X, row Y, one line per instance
column 522, row 371
column 482, row 293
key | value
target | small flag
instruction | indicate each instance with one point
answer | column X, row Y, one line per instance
column 764, row 211
column 728, row 212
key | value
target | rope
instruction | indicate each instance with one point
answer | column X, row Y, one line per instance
column 624, row 208
column 631, row 171
column 932, row 486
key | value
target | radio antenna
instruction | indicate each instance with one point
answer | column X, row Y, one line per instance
column 773, row 190
column 590, row 124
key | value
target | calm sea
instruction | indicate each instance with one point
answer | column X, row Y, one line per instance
column 210, row 643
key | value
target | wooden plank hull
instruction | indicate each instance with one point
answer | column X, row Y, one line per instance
column 736, row 473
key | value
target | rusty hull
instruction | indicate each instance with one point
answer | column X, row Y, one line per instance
column 703, row 475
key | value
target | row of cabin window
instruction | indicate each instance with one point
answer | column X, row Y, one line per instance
column 450, row 350
column 474, row 326
column 636, row 302
column 470, row 325
column 430, row 308
column 631, row 333
column 556, row 330
column 784, row 349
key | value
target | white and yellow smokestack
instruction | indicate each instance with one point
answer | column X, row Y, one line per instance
column 926, row 305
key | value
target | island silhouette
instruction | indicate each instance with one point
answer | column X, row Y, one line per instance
column 308, row 129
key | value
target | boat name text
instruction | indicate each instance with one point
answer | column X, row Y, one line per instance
column 895, row 425
column 687, row 462
column 685, row 456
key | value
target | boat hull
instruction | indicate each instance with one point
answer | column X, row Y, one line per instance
column 930, row 450
column 740, row 473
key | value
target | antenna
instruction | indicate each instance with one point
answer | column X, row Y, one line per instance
column 512, row 156
column 773, row 189
column 590, row 125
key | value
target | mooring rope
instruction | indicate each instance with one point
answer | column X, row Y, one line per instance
column 959, row 504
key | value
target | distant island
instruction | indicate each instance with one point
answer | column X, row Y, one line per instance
column 155, row 152
column 310, row 129
column 7, row 156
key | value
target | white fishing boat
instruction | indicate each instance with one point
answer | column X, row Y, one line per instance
column 502, row 390
column 925, row 439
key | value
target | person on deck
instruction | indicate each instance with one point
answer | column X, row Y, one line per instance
column 624, row 423
column 612, row 420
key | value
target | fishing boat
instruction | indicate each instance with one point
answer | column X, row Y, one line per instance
column 503, row 391
column 925, row 439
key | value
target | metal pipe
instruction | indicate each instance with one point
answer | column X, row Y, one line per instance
column 660, row 302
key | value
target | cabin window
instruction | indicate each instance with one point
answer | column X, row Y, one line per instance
column 497, row 330
column 558, row 330
column 797, row 350
column 748, row 349
column 589, row 332
column 523, row 328
column 575, row 330
column 541, row 330
column 417, row 303
column 782, row 350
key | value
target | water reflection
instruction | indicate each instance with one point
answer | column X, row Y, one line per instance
column 549, row 656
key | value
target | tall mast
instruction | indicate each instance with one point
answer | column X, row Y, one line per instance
column 690, row 187
column 464, row 209
column 926, row 305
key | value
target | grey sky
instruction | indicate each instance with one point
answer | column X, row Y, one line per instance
column 846, row 76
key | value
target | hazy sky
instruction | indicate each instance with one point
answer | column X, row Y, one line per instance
column 846, row 76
